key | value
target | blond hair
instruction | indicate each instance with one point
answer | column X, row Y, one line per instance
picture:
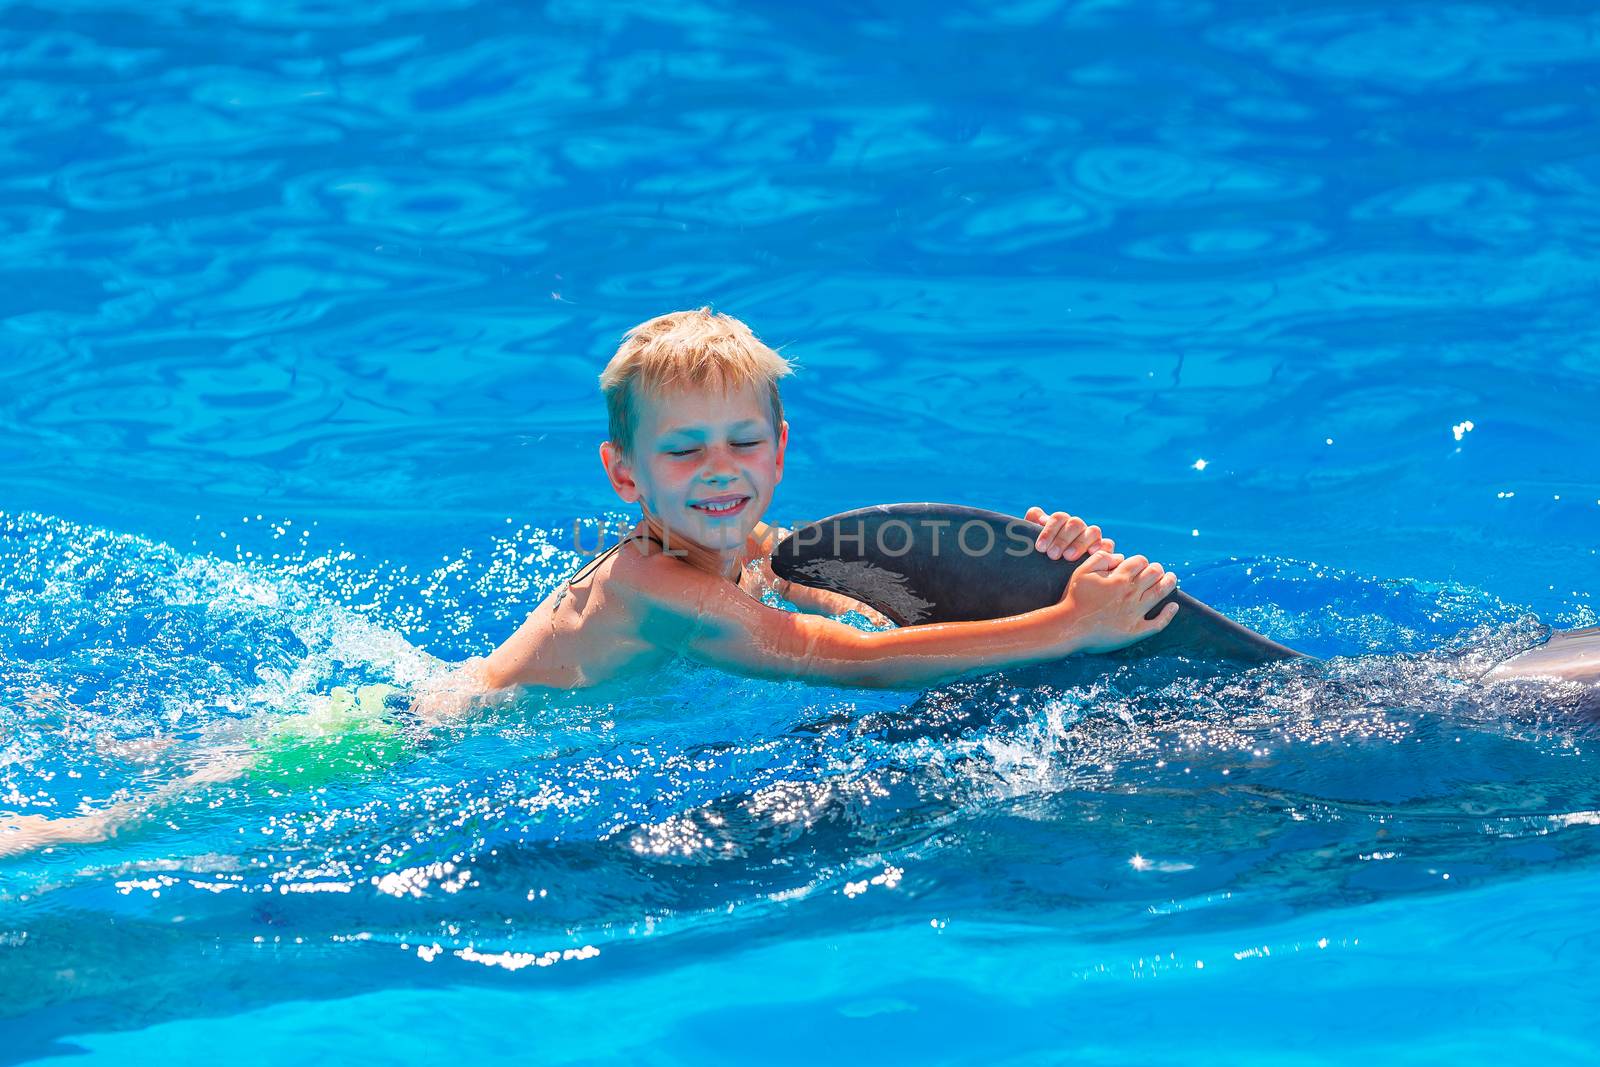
column 697, row 349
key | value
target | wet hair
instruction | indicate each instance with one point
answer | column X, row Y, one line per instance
column 700, row 349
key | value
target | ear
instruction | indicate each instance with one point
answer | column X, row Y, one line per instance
column 620, row 471
column 783, row 442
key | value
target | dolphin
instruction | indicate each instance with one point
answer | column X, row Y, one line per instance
column 1568, row 656
column 926, row 562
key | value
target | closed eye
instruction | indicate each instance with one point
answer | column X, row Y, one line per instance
column 681, row 452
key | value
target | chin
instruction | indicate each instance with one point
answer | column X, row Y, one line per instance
column 728, row 534
column 723, row 535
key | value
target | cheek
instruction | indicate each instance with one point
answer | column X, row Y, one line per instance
column 669, row 475
column 768, row 467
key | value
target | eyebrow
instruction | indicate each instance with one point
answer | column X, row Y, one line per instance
column 699, row 431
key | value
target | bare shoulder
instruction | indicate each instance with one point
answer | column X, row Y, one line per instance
column 649, row 577
column 593, row 628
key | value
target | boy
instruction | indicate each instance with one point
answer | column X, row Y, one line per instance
column 697, row 440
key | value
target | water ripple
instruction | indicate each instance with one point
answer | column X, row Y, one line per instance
column 123, row 186
column 1136, row 174
column 301, row 308
column 1231, row 245
column 1445, row 46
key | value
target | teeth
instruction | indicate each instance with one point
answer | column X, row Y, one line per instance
column 729, row 506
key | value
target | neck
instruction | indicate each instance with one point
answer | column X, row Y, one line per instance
column 724, row 562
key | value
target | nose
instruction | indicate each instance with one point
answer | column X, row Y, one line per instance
column 719, row 466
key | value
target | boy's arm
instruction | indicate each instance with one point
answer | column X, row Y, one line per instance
column 453, row 694
column 821, row 601
column 805, row 597
column 709, row 620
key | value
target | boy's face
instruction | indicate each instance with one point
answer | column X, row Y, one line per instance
column 704, row 463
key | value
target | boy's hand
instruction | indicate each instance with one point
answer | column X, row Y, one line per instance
column 1107, row 600
column 1067, row 536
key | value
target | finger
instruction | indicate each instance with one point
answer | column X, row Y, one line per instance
column 1100, row 562
column 1149, row 577
column 1050, row 525
column 1131, row 566
column 1065, row 537
column 1042, row 542
column 1049, row 522
column 1105, row 545
column 1160, row 590
column 1160, row 622
column 1065, row 527
column 1035, row 514
column 1084, row 542
column 1058, row 533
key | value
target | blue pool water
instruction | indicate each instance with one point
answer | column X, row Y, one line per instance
column 301, row 306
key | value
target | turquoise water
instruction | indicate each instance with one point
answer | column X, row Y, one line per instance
column 300, row 312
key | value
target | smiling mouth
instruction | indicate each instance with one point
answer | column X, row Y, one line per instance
column 722, row 505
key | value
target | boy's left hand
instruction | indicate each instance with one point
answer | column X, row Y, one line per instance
column 1067, row 536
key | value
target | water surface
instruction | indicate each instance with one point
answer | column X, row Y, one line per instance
column 300, row 313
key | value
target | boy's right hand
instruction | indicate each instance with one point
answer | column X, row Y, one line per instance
column 1108, row 597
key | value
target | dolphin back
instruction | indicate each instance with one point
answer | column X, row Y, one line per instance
column 1572, row 656
column 925, row 563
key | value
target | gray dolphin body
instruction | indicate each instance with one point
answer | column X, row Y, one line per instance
column 1573, row 656
column 922, row 563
